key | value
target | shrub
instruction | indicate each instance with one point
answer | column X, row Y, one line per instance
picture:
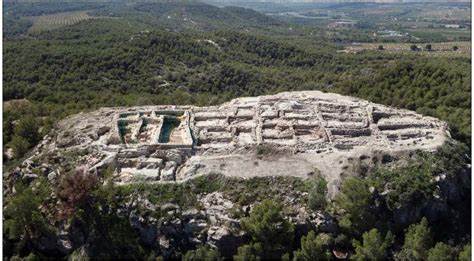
column 373, row 247
column 405, row 186
column 202, row 253
column 441, row 252
column 23, row 220
column 317, row 194
column 342, row 241
column 250, row 252
column 263, row 150
column 27, row 128
column 20, row 146
column 267, row 225
column 75, row 189
column 418, row 240
column 465, row 254
column 285, row 257
column 110, row 234
column 355, row 202
column 314, row 247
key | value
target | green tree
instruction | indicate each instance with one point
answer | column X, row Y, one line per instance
column 373, row 247
column 441, row 252
column 19, row 145
column 7, row 126
column 413, row 47
column 317, row 194
column 355, row 202
column 268, row 226
column 249, row 252
column 408, row 185
column 418, row 240
column 110, row 232
column 204, row 253
column 24, row 221
column 380, row 47
column 27, row 128
column 32, row 257
column 455, row 48
column 314, row 247
column 428, row 47
column 465, row 254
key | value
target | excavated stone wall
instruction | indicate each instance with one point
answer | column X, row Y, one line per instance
column 291, row 133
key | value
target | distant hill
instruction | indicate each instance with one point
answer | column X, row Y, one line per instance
column 19, row 16
column 199, row 15
column 286, row 2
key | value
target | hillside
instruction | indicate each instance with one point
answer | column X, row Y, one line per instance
column 175, row 15
column 178, row 130
column 162, row 181
column 104, row 62
column 237, row 2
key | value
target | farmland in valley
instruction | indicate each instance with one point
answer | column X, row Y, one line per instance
column 54, row 21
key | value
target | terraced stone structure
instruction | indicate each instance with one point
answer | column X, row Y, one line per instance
column 291, row 133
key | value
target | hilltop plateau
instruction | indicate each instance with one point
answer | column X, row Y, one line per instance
column 187, row 176
column 288, row 134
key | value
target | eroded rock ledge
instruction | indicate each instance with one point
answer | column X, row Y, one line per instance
column 291, row 133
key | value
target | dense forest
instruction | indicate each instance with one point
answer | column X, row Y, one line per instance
column 136, row 55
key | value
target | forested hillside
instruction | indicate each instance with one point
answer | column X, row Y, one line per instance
column 185, row 52
column 109, row 62
column 174, row 15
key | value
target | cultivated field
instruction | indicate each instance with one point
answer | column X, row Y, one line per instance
column 444, row 49
column 54, row 21
column 455, row 14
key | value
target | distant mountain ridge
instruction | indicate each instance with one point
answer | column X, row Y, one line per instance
column 173, row 15
column 204, row 16
column 286, row 2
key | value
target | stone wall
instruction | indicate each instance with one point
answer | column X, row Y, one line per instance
column 314, row 130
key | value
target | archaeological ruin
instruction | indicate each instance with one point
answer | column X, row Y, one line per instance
column 291, row 133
